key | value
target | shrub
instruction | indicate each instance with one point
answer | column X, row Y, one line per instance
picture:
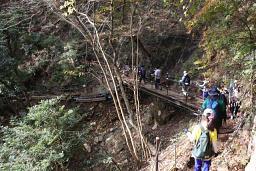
column 44, row 139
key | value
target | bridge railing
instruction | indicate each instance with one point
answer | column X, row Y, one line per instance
column 173, row 84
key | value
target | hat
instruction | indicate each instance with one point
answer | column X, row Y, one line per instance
column 213, row 92
column 207, row 112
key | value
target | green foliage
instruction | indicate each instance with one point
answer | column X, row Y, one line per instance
column 18, row 47
column 32, row 42
column 44, row 139
column 68, row 67
column 229, row 40
column 99, row 159
column 193, row 65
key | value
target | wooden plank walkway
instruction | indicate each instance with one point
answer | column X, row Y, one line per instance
column 174, row 96
column 192, row 104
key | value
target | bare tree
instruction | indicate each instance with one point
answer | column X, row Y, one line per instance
column 101, row 30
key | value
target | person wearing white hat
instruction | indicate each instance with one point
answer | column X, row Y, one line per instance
column 203, row 158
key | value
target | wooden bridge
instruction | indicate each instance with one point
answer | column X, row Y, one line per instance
column 171, row 95
column 175, row 97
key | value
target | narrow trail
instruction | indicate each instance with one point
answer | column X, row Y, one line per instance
column 184, row 148
column 183, row 160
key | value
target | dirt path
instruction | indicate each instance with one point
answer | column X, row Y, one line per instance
column 183, row 160
column 183, row 147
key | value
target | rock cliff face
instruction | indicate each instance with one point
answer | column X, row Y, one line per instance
column 252, row 149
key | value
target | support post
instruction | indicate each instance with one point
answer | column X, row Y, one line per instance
column 167, row 79
column 175, row 154
column 157, row 150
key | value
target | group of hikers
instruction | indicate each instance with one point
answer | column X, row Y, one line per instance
column 205, row 134
column 216, row 101
column 156, row 74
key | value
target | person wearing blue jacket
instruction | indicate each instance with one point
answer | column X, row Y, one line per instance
column 217, row 105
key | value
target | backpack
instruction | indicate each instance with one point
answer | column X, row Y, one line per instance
column 223, row 97
column 214, row 105
column 142, row 71
column 187, row 80
column 203, row 146
column 205, row 95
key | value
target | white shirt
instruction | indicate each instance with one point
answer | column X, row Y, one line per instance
column 157, row 74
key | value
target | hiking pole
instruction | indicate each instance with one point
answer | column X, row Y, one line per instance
column 157, row 149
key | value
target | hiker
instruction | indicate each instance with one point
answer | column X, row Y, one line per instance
column 233, row 89
column 185, row 80
column 234, row 106
column 205, row 93
column 237, row 89
column 223, row 101
column 205, row 88
column 142, row 74
column 212, row 103
column 205, row 84
column 225, row 93
column 157, row 74
column 205, row 137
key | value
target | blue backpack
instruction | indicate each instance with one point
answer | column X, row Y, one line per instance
column 214, row 105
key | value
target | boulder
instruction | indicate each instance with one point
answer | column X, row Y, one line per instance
column 148, row 118
column 162, row 117
column 161, row 113
column 115, row 143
